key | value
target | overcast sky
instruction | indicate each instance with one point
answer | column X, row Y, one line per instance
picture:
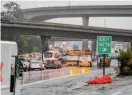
column 111, row 22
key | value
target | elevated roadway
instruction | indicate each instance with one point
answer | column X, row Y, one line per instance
column 64, row 30
column 45, row 13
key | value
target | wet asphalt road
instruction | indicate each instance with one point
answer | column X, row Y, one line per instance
column 77, row 85
column 37, row 75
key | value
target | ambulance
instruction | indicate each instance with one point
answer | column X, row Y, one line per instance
column 9, row 52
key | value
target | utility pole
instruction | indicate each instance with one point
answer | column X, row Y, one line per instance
column 69, row 3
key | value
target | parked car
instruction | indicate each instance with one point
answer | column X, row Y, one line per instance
column 37, row 64
column 51, row 60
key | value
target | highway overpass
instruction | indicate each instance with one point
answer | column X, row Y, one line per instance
column 65, row 39
column 46, row 30
column 64, row 30
column 45, row 13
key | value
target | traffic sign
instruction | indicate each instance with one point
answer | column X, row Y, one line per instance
column 104, row 44
column 118, row 48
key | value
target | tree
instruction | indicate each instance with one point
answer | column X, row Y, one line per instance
column 35, row 49
column 12, row 11
column 125, row 61
column 24, row 43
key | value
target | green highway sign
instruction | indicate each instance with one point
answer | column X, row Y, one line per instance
column 104, row 44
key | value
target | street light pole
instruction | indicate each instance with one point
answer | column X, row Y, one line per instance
column 69, row 3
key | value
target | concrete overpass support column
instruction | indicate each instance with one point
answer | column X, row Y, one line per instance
column 85, row 20
column 51, row 42
column 94, row 45
column 45, row 44
column 85, row 44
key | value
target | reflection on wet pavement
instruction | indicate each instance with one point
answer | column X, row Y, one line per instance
column 34, row 76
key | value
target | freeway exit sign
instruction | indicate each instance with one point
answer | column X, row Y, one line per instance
column 104, row 44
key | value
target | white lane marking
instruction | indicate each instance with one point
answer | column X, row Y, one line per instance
column 116, row 93
column 56, row 78
column 42, row 81
column 93, row 72
column 34, row 83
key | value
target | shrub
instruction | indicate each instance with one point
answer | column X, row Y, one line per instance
column 125, row 61
column 130, row 62
column 126, row 70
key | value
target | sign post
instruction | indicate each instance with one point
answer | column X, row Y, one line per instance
column 104, row 47
column 104, row 65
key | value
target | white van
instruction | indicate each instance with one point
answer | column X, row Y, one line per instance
column 7, row 63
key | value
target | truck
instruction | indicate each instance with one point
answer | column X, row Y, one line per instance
column 85, row 59
column 100, row 60
column 82, row 58
column 8, row 69
column 72, row 60
column 74, row 52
